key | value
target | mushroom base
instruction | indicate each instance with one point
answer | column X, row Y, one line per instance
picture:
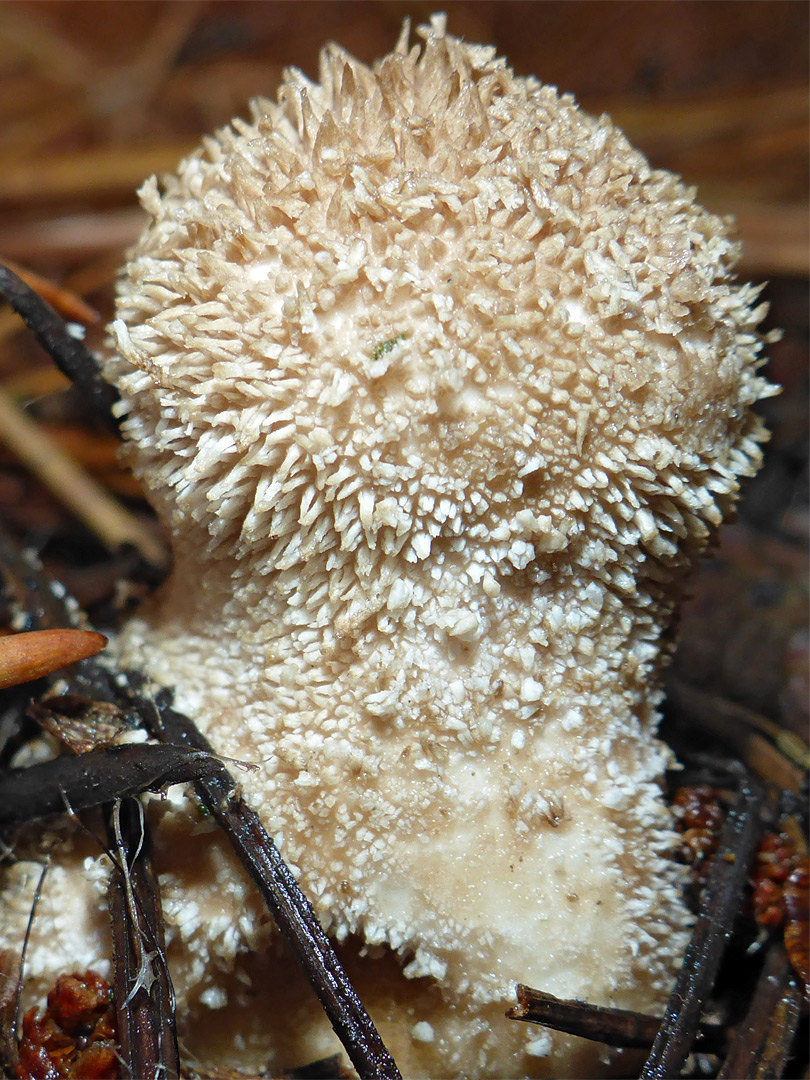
column 476, row 838
column 279, row 1026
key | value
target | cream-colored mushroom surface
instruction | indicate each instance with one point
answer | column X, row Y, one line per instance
column 439, row 388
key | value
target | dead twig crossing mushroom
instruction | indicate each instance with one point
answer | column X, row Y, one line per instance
column 73, row 783
column 764, row 1039
column 187, row 756
column 66, row 349
column 616, row 1027
column 718, row 909
column 144, row 998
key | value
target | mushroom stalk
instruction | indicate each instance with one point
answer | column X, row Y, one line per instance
column 439, row 390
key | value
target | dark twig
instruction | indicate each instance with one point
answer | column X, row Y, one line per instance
column 616, row 1027
column 85, row 780
column 284, row 899
column 256, row 850
column 718, row 908
column 70, row 354
column 781, row 1037
column 766, row 1030
column 23, row 952
column 144, row 998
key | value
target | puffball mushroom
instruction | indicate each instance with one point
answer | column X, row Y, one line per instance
column 439, row 389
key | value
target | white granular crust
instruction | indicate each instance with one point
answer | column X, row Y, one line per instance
column 439, row 389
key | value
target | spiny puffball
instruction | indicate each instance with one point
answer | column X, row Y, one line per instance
column 439, row 389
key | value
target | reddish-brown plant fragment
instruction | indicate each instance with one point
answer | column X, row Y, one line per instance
column 796, row 901
column 774, row 862
column 699, row 814
column 75, row 1039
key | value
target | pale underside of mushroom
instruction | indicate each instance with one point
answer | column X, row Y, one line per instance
column 439, row 389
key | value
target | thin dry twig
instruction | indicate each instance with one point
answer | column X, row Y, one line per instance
column 99, row 776
column 718, row 908
column 780, row 1039
column 767, row 1031
column 67, row 351
column 144, row 997
column 84, row 233
column 9, row 996
column 104, row 516
column 616, row 1027
column 776, row 236
column 12, row 969
column 88, row 278
column 65, row 302
column 280, row 891
column 219, row 793
column 700, row 119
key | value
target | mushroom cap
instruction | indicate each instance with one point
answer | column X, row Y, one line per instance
column 431, row 298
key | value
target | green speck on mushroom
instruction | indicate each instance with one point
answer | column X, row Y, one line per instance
column 383, row 347
column 429, row 610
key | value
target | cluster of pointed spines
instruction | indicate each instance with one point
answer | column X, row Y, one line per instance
column 253, row 430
